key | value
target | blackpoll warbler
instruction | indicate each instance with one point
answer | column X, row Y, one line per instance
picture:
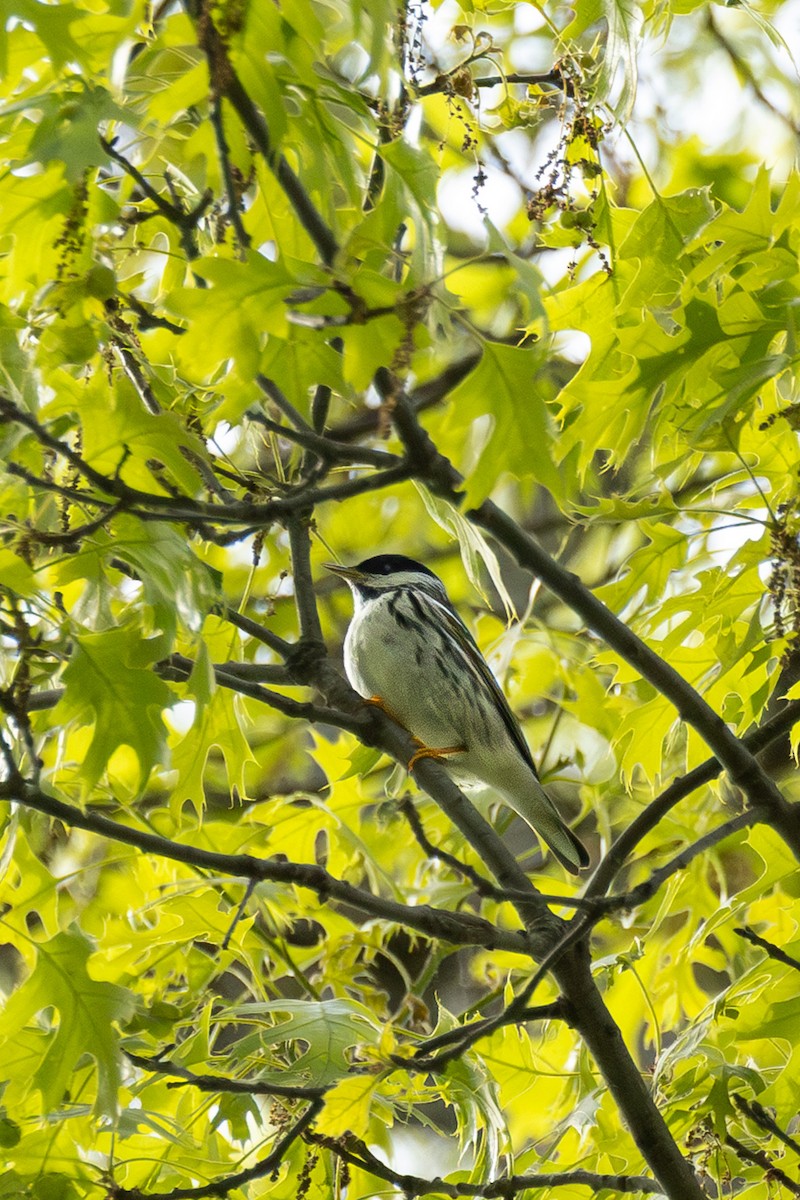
column 408, row 650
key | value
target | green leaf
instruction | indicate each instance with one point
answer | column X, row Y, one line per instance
column 177, row 585
column 324, row 1032
column 233, row 315
column 87, row 1012
column 347, row 1106
column 624, row 23
column 110, row 684
column 473, row 545
column 503, row 389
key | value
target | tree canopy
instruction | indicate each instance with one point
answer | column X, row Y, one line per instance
column 497, row 287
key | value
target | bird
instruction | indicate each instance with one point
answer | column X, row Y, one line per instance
column 407, row 650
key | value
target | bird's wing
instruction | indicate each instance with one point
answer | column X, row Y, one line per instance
column 479, row 667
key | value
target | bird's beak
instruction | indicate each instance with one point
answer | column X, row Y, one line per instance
column 348, row 573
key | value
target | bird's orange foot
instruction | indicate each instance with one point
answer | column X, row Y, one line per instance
column 378, row 703
column 430, row 752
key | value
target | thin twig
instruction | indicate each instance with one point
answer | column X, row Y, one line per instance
column 771, row 949
column 641, row 825
column 355, row 1152
column 223, row 152
column 648, row 888
column 460, row 929
column 326, row 447
column 221, row 1187
column 760, row 1158
column 220, row 1083
column 756, row 1112
column 271, row 389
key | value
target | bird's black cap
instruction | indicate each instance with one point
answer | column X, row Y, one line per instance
column 392, row 564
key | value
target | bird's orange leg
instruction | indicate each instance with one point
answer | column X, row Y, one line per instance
column 379, row 703
column 424, row 751
column 430, row 752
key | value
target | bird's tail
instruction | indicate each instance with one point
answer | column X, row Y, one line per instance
column 538, row 810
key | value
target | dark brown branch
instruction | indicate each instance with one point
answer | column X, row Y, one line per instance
column 759, row 1158
column 185, row 509
column 148, row 319
column 482, row 885
column 179, row 667
column 254, row 630
column 325, row 447
column 461, row 929
column 756, row 1112
column 186, row 221
column 70, row 538
column 321, row 402
column 271, row 389
column 467, row 1035
column 771, row 949
column 443, row 84
column 425, row 396
column 574, row 936
column 136, row 375
column 255, row 672
column 221, row 1187
column 234, row 203
column 225, row 81
column 219, row 1083
column 628, row 840
column 304, row 596
column 357, row 1154
column 648, row 888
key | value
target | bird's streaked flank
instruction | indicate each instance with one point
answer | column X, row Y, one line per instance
column 408, row 650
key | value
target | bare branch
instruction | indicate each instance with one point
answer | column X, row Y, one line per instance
column 771, row 949
column 644, row 891
column 647, row 820
column 357, row 1154
column 443, row 84
column 760, row 1158
column 461, row 929
column 220, row 1083
column 234, row 203
column 254, row 630
column 325, row 447
column 221, row 1187
column 756, row 1112
column 225, row 81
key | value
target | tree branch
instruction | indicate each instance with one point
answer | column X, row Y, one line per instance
column 223, row 153
column 433, row 468
column 461, row 929
column 357, row 1154
column 756, row 1112
column 185, row 509
column 221, row 1187
column 648, row 888
column 219, row 1083
column 225, row 82
column 647, row 820
column 771, row 949
column 760, row 1158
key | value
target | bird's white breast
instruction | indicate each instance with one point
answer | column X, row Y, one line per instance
column 394, row 664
